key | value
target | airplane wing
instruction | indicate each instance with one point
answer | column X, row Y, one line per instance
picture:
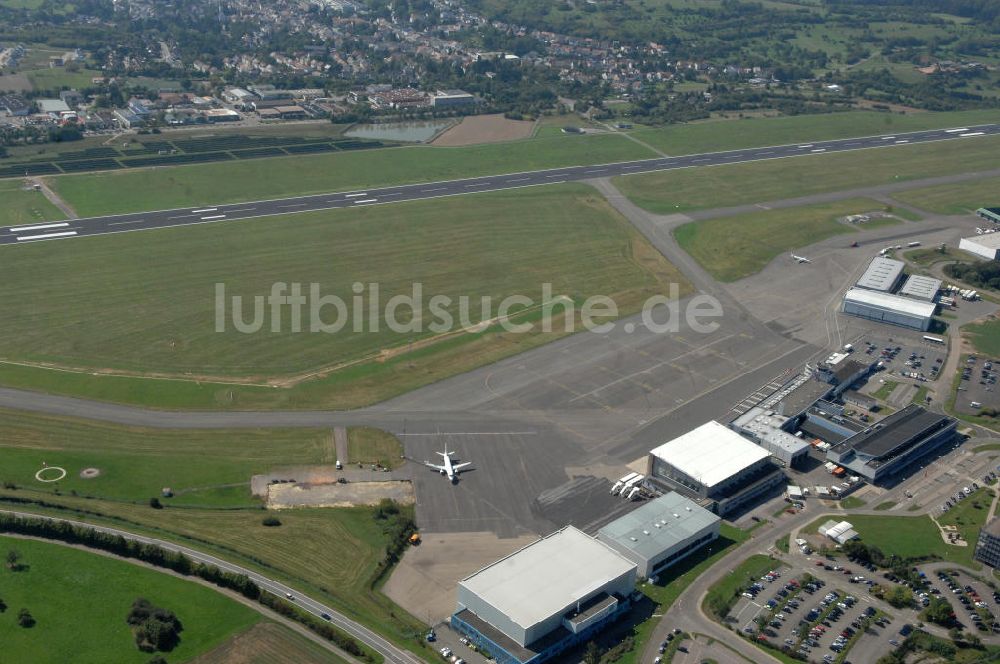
column 461, row 465
column 435, row 466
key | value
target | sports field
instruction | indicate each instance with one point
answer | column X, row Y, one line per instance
column 207, row 468
column 731, row 248
column 715, row 135
column 155, row 293
column 959, row 198
column 738, row 184
column 20, row 206
column 80, row 599
column 150, row 189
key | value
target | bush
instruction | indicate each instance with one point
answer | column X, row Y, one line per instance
column 155, row 503
column 154, row 628
column 25, row 619
column 271, row 521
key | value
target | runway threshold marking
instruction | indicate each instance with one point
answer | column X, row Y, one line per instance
column 972, row 133
column 956, row 131
column 204, row 210
column 818, row 150
column 37, row 227
column 434, row 189
column 214, row 216
column 366, row 200
column 365, row 193
column 44, row 236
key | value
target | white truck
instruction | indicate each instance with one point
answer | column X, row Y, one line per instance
column 617, row 487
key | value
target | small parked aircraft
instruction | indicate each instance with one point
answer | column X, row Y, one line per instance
column 448, row 469
column 801, row 259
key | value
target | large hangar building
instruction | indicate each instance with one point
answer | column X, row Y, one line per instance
column 545, row 598
column 888, row 308
column 715, row 463
column 986, row 245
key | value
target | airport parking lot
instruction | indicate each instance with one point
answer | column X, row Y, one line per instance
column 978, row 384
column 907, row 359
column 974, row 602
column 817, row 620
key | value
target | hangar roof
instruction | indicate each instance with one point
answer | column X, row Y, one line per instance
column 882, row 274
column 903, row 305
column 547, row 576
column 921, row 287
column 988, row 240
column 711, row 453
column 658, row 525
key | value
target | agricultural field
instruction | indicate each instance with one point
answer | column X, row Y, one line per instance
column 716, row 135
column 157, row 298
column 668, row 192
column 732, row 248
column 80, row 599
column 55, row 79
column 268, row 643
column 330, row 553
column 135, row 464
column 958, row 198
column 24, row 206
column 232, row 181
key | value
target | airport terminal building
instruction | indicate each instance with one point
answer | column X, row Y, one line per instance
column 886, row 448
column 714, row 464
column 661, row 533
column 545, row 598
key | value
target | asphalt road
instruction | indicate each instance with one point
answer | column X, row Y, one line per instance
column 390, row 652
column 138, row 221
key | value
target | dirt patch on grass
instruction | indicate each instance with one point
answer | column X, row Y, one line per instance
column 484, row 129
column 286, row 496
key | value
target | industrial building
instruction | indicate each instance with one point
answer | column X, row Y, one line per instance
column 767, row 429
column 988, row 546
column 886, row 448
column 989, row 214
column 920, row 287
column 887, row 308
column 883, row 275
column 714, row 462
column 452, row 98
column 549, row 596
column 661, row 533
column 986, row 245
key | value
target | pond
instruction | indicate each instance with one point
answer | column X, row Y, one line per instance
column 414, row 132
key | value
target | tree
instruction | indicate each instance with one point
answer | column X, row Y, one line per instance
column 155, row 503
column 3, row 606
column 592, row 655
column 25, row 619
column 939, row 611
column 14, row 559
column 271, row 521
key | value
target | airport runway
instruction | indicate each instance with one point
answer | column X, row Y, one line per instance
column 138, row 221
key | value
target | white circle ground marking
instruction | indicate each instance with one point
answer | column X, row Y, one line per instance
column 61, row 471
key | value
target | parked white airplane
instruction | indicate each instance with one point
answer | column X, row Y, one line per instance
column 448, row 469
column 801, row 259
